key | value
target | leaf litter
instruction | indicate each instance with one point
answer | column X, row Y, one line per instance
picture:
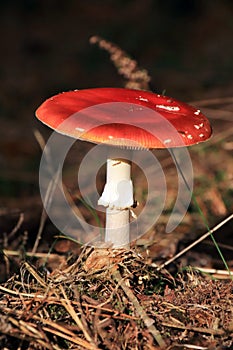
column 114, row 299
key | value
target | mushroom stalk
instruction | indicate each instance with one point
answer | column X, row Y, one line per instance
column 117, row 197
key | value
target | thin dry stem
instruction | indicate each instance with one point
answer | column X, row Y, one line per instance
column 137, row 78
column 204, row 236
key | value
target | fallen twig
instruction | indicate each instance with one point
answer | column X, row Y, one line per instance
column 185, row 250
column 139, row 309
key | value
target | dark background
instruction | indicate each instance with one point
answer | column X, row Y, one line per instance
column 185, row 45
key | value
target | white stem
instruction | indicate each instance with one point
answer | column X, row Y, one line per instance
column 117, row 197
column 117, row 227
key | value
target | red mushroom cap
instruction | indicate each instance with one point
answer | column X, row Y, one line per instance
column 88, row 115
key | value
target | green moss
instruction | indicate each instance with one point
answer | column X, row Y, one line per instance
column 220, row 175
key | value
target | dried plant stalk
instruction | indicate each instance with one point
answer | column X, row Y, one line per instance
column 137, row 78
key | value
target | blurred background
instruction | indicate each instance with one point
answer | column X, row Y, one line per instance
column 186, row 45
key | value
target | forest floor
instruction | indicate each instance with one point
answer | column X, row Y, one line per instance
column 59, row 295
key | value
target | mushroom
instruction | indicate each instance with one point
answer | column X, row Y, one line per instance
column 172, row 124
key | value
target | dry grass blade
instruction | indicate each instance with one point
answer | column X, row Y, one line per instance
column 214, row 101
column 215, row 273
column 23, row 295
column 17, row 226
column 195, row 329
column 49, row 195
column 43, row 218
column 30, row 254
column 68, row 306
column 32, row 332
column 204, row 236
column 188, row 346
column 32, row 271
column 27, row 331
column 73, row 339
